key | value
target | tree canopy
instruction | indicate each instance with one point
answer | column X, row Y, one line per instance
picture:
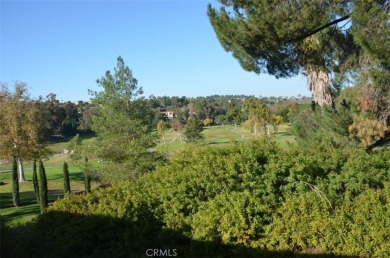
column 22, row 130
column 316, row 38
column 123, row 124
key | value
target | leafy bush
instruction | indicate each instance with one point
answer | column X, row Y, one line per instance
column 243, row 198
column 361, row 225
column 234, row 218
column 358, row 226
column 299, row 224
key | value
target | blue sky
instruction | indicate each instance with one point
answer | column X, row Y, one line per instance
column 62, row 47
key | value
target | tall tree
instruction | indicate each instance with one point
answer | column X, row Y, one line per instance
column 35, row 181
column 161, row 129
column 88, row 111
column 69, row 124
column 259, row 115
column 234, row 113
column 87, row 177
column 66, row 178
column 284, row 38
column 22, row 130
column 54, row 112
column 42, row 180
column 15, row 183
column 123, row 125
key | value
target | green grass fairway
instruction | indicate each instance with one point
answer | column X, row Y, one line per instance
column 171, row 143
column 218, row 135
column 28, row 207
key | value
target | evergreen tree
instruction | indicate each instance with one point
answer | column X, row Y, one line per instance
column 284, row 38
column 234, row 113
column 87, row 177
column 66, row 178
column 193, row 129
column 15, row 183
column 124, row 125
column 42, row 180
column 35, row 180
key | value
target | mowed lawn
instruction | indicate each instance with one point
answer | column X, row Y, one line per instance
column 219, row 135
column 170, row 143
column 29, row 208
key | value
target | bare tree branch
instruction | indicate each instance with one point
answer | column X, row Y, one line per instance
column 322, row 28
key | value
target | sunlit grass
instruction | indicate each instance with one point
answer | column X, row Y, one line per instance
column 29, row 208
column 219, row 135
column 169, row 144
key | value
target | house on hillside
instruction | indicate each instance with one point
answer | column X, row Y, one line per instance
column 168, row 114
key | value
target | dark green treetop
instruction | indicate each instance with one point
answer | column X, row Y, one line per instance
column 193, row 130
column 285, row 38
column 123, row 123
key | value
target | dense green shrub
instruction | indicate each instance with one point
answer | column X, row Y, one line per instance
column 361, row 225
column 299, row 224
column 358, row 226
column 244, row 197
column 234, row 218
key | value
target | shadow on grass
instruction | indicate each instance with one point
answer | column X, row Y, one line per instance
column 28, row 206
column 73, row 176
column 66, row 138
column 218, row 142
column 26, row 198
column 21, row 214
column 282, row 134
column 72, row 235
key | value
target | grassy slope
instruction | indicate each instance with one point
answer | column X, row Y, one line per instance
column 216, row 135
column 29, row 208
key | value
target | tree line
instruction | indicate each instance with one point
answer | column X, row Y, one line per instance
column 328, row 194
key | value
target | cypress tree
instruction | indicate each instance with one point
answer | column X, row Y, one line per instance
column 87, row 178
column 87, row 183
column 15, row 183
column 66, row 178
column 35, row 180
column 42, row 187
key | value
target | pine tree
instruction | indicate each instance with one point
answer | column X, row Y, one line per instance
column 42, row 180
column 193, row 130
column 15, row 183
column 124, row 124
column 35, row 180
column 317, row 38
column 66, row 178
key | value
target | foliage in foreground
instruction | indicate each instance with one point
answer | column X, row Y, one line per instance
column 245, row 199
